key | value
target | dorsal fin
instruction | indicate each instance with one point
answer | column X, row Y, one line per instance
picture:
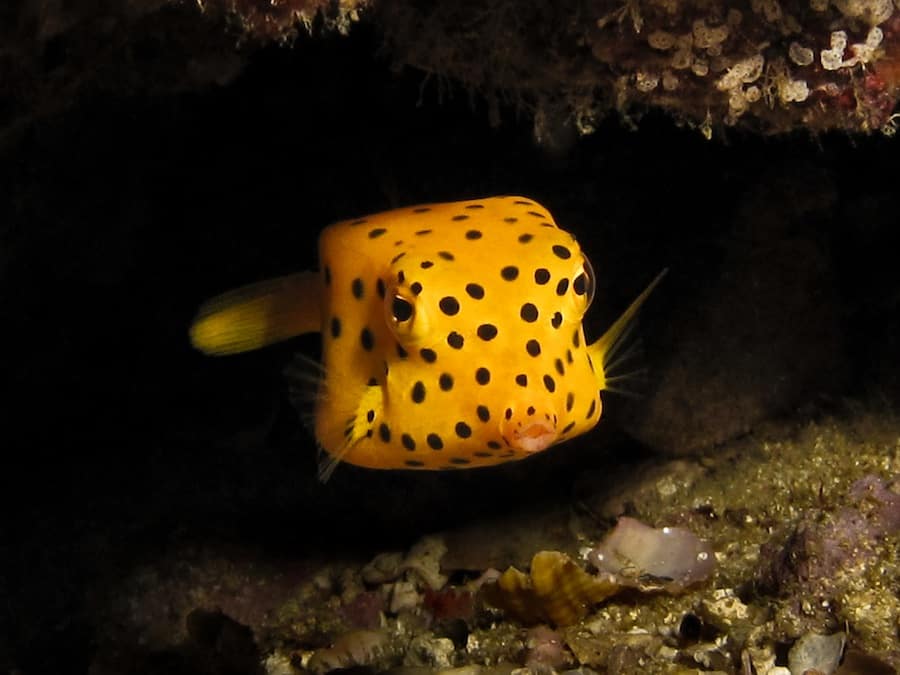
column 260, row 314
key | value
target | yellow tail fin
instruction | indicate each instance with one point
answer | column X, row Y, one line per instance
column 603, row 350
column 259, row 314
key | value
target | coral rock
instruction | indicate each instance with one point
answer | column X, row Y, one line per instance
column 557, row 590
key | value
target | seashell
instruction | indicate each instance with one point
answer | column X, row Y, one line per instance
column 558, row 590
column 670, row 558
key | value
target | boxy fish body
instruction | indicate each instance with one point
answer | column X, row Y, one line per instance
column 451, row 334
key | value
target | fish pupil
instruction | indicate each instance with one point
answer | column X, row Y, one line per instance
column 401, row 309
column 580, row 285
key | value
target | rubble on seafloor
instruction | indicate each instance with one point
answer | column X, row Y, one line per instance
column 802, row 525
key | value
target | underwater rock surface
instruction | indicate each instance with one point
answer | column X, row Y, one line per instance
column 771, row 66
column 803, row 522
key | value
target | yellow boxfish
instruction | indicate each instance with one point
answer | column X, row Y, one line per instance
column 451, row 334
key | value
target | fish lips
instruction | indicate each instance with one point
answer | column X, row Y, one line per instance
column 531, row 433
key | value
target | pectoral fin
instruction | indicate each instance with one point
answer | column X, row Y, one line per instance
column 603, row 350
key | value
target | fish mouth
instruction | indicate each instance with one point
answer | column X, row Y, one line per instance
column 530, row 437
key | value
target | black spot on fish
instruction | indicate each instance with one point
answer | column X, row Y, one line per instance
column 455, row 340
column 366, row 339
column 461, row 216
column 541, row 276
column 510, row 219
column 530, row 410
column 510, row 272
column 459, row 460
column 401, row 276
column 550, row 383
column 384, row 433
column 401, row 352
column 422, row 233
column 327, row 272
column 428, row 355
column 413, row 463
column 408, row 442
column 522, row 380
column 533, row 347
column 449, row 305
column 377, row 232
column 425, row 264
column 397, row 257
column 487, row 331
column 357, row 288
column 561, row 252
column 529, row 312
column 494, row 445
column 482, row 376
column 508, row 414
column 560, row 368
column 568, row 428
column 360, row 221
column 576, row 338
column 446, row 255
column 481, row 453
column 379, row 287
column 483, row 413
column 421, row 209
column 525, row 238
column 557, row 320
column 547, row 225
column 463, row 430
column 569, row 358
column 418, row 392
column 562, row 286
column 473, row 234
column 537, row 214
column 523, row 202
column 370, row 416
column 434, row 442
column 335, row 327
column 475, row 206
column 445, row 381
column 415, row 288
column 475, row 291
column 592, row 409
column 570, row 401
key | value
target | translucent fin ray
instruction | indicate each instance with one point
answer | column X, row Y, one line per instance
column 603, row 351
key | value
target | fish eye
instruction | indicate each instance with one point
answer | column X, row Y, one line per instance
column 401, row 309
column 583, row 283
column 405, row 316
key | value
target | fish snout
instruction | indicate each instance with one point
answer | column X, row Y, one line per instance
column 529, row 430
